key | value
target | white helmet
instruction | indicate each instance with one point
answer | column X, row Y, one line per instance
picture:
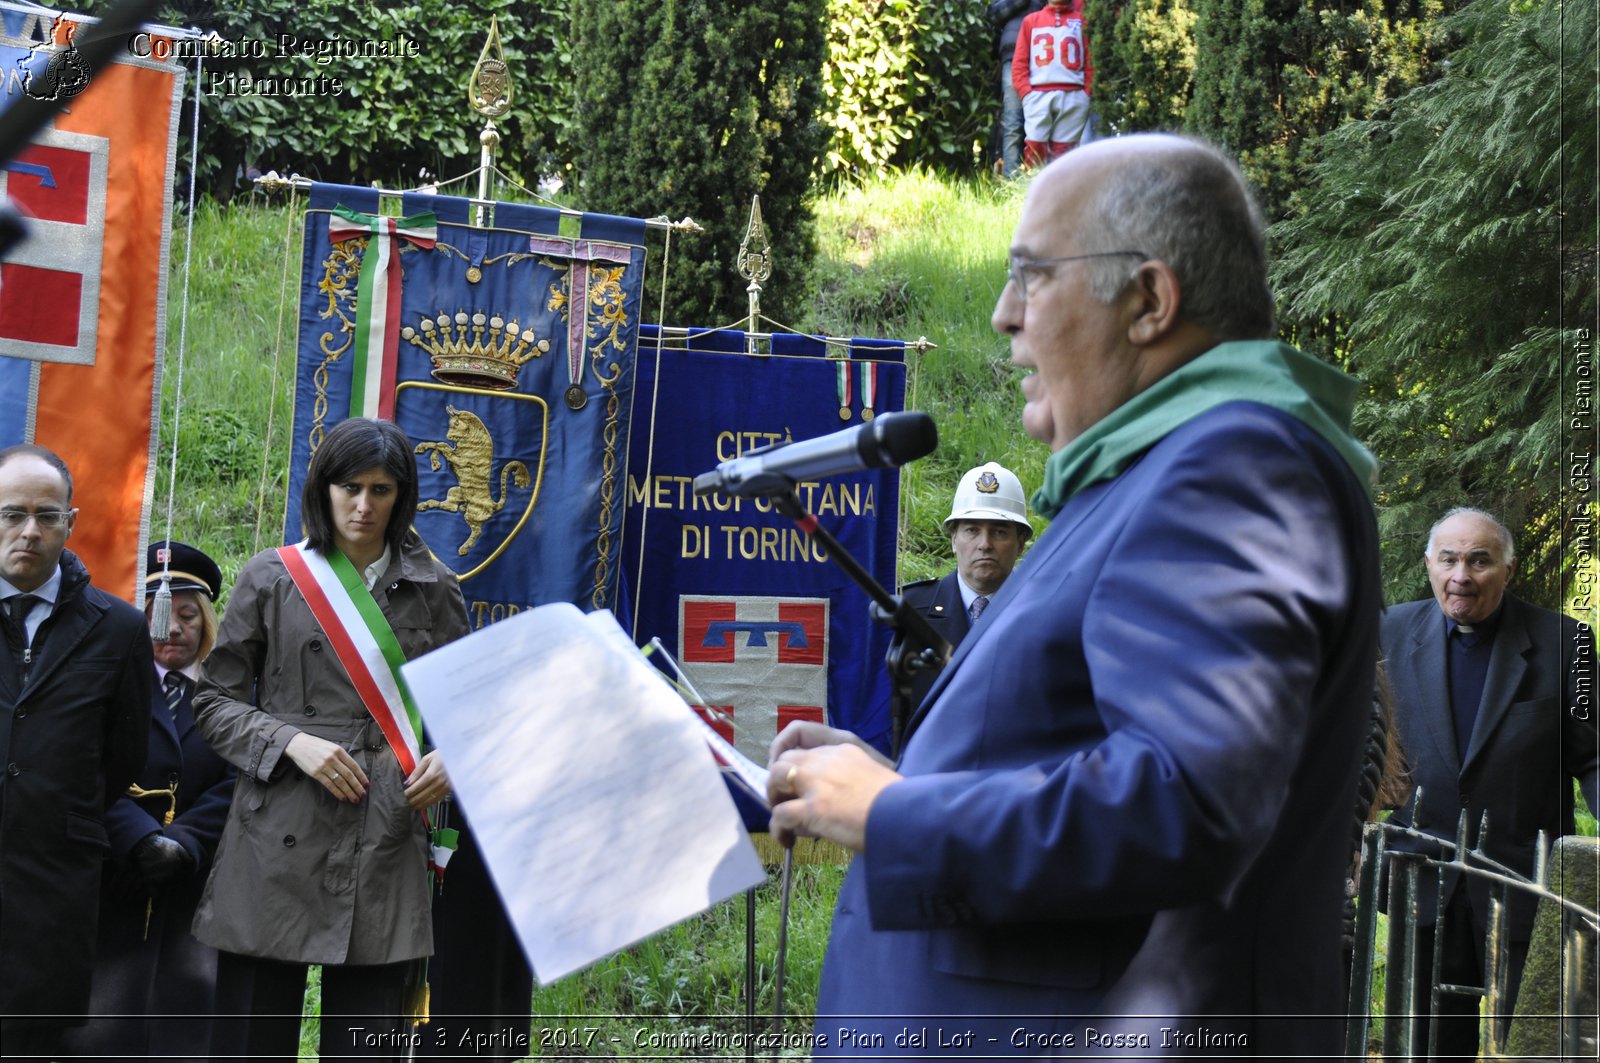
column 990, row 492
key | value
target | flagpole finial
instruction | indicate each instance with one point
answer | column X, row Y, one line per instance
column 755, row 252
column 489, row 91
column 755, row 266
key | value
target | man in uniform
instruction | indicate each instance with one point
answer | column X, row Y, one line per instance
column 988, row 527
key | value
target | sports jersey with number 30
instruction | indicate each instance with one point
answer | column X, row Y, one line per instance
column 1056, row 54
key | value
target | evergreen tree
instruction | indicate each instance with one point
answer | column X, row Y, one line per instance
column 1455, row 243
column 690, row 107
column 1271, row 77
column 1143, row 62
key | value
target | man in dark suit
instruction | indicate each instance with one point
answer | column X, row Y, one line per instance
column 988, row 526
column 1491, row 721
column 1122, row 820
column 75, row 682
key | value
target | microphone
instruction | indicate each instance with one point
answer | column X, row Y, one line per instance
column 892, row 439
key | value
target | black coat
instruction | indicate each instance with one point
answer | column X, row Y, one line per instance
column 166, row 972
column 1534, row 733
column 71, row 741
column 940, row 601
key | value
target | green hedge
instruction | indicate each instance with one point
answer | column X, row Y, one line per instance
column 690, row 107
column 394, row 117
column 908, row 81
column 905, row 81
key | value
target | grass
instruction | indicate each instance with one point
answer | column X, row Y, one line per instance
column 923, row 255
column 236, row 401
column 685, row 988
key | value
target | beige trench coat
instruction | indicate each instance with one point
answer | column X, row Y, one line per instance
column 300, row 876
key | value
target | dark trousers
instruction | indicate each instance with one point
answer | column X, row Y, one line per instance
column 1461, row 962
column 259, row 1003
column 481, row 987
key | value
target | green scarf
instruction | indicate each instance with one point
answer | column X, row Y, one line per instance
column 1265, row 371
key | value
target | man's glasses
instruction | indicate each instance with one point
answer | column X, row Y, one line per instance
column 47, row 518
column 1019, row 267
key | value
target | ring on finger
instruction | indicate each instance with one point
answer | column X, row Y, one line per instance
column 788, row 780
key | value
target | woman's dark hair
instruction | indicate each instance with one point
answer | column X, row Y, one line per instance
column 349, row 449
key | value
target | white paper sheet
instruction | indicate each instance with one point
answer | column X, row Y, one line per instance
column 601, row 815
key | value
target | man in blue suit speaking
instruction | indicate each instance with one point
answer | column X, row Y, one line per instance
column 1121, row 820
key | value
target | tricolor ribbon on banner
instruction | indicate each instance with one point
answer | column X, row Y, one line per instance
column 377, row 339
column 366, row 646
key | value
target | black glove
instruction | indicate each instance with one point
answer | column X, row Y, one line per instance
column 160, row 860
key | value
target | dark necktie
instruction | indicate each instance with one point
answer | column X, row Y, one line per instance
column 175, row 686
column 18, row 606
column 979, row 604
column 14, row 618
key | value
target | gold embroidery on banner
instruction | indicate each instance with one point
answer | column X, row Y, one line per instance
column 469, row 454
column 341, row 276
column 559, row 291
column 606, row 294
column 469, row 450
column 510, row 258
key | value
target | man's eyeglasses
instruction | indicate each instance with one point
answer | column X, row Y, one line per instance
column 47, row 518
column 1020, row 267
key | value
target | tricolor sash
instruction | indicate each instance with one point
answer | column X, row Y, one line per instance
column 362, row 640
column 366, row 646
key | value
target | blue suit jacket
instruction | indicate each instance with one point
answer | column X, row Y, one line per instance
column 1129, row 793
column 1534, row 733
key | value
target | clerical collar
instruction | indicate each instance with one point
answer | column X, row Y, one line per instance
column 1483, row 629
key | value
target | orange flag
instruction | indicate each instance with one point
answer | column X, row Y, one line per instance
column 83, row 299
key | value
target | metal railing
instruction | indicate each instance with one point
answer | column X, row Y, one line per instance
column 1406, row 874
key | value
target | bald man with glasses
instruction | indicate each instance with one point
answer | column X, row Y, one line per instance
column 75, row 687
column 1120, row 825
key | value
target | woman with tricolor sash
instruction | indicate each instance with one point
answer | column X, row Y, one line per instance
column 325, row 858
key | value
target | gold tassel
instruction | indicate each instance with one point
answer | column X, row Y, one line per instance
column 417, row 1010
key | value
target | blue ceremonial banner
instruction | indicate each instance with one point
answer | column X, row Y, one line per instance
column 767, row 628
column 506, row 353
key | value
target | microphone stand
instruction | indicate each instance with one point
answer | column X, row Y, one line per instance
column 916, row 645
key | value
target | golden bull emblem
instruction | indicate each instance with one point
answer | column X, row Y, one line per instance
column 469, row 451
